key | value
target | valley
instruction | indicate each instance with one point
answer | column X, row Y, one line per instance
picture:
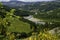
column 30, row 20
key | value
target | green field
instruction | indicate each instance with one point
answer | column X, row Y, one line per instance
column 19, row 26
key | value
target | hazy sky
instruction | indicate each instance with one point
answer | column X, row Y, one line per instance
column 4, row 0
column 28, row 0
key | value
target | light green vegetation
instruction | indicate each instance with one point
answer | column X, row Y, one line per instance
column 19, row 26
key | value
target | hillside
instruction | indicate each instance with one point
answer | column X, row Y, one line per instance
column 30, row 20
column 33, row 6
column 52, row 15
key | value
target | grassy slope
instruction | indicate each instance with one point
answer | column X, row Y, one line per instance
column 19, row 26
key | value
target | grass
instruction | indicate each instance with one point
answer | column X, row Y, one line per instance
column 19, row 26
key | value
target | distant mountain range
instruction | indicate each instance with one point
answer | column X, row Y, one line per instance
column 15, row 3
column 18, row 3
column 33, row 6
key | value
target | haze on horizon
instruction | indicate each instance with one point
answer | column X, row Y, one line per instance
column 27, row 0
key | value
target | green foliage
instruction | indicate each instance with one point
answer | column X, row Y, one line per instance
column 47, row 36
column 6, row 19
column 23, row 13
column 52, row 15
column 9, row 23
column 1, row 5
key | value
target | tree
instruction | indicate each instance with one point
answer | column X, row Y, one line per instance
column 6, row 18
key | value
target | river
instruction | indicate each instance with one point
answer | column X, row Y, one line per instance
column 35, row 20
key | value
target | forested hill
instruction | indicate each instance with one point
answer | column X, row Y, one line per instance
column 42, row 6
column 17, row 11
column 33, row 6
